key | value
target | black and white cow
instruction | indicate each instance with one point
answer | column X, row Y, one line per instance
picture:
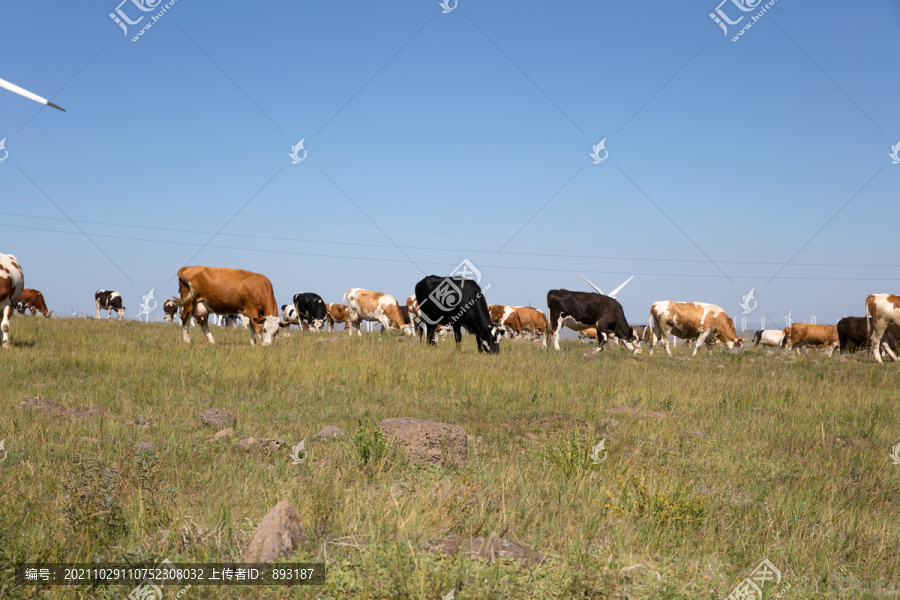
column 310, row 307
column 457, row 302
column 582, row 310
column 21, row 307
column 109, row 301
column 171, row 309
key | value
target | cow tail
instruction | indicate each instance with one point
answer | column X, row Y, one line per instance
column 344, row 298
column 191, row 295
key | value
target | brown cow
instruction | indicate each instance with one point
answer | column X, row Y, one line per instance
column 707, row 323
column 365, row 305
column 12, row 282
column 506, row 318
column 533, row 320
column 337, row 313
column 224, row 291
column 814, row 336
column 34, row 300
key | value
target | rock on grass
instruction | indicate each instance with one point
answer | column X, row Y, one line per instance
column 279, row 535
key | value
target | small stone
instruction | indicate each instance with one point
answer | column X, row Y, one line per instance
column 221, row 435
column 142, row 422
column 144, row 447
column 330, row 432
column 218, row 418
column 279, row 535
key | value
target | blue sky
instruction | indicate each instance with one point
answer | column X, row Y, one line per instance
column 435, row 137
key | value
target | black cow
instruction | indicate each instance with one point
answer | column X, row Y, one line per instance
column 310, row 307
column 109, row 301
column 582, row 310
column 853, row 336
column 457, row 302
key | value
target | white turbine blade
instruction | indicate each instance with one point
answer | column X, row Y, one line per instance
column 599, row 291
column 23, row 92
column 613, row 293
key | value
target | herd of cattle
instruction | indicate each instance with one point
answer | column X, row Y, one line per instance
column 443, row 304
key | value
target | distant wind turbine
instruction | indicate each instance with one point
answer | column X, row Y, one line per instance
column 23, row 92
column 611, row 294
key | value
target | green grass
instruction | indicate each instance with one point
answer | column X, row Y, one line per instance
column 714, row 463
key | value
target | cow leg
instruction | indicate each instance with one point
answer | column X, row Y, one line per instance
column 457, row 334
column 701, row 339
column 4, row 326
column 559, row 322
column 878, row 330
column 98, row 309
column 186, row 323
column 887, row 348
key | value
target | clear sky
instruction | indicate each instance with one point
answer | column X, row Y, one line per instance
column 435, row 137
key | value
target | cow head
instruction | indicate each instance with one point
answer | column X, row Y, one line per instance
column 48, row 313
column 120, row 313
column 270, row 327
column 491, row 343
column 408, row 330
column 20, row 307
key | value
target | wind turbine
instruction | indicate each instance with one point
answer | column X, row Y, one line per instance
column 613, row 293
column 787, row 319
column 23, row 92
column 812, row 318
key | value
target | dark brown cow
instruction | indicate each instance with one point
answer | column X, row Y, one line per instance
column 853, row 336
column 224, row 291
column 34, row 300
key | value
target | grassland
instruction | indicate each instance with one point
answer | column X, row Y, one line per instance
column 714, row 464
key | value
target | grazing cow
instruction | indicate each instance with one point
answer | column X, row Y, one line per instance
column 206, row 290
column 457, row 302
column 34, row 300
column 706, row 322
column 21, row 307
column 311, row 308
column 170, row 307
column 771, row 338
column 12, row 282
column 337, row 313
column 882, row 312
column 364, row 305
column 506, row 318
column 109, row 301
column 814, row 336
column 415, row 319
column 533, row 321
column 582, row 310
column 853, row 336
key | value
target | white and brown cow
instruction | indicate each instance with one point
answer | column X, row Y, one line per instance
column 109, row 301
column 687, row 320
column 365, row 305
column 418, row 323
column 506, row 317
column 882, row 311
column 224, row 291
column 12, row 282
column 533, row 321
column 337, row 313
column 34, row 301
column 812, row 336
